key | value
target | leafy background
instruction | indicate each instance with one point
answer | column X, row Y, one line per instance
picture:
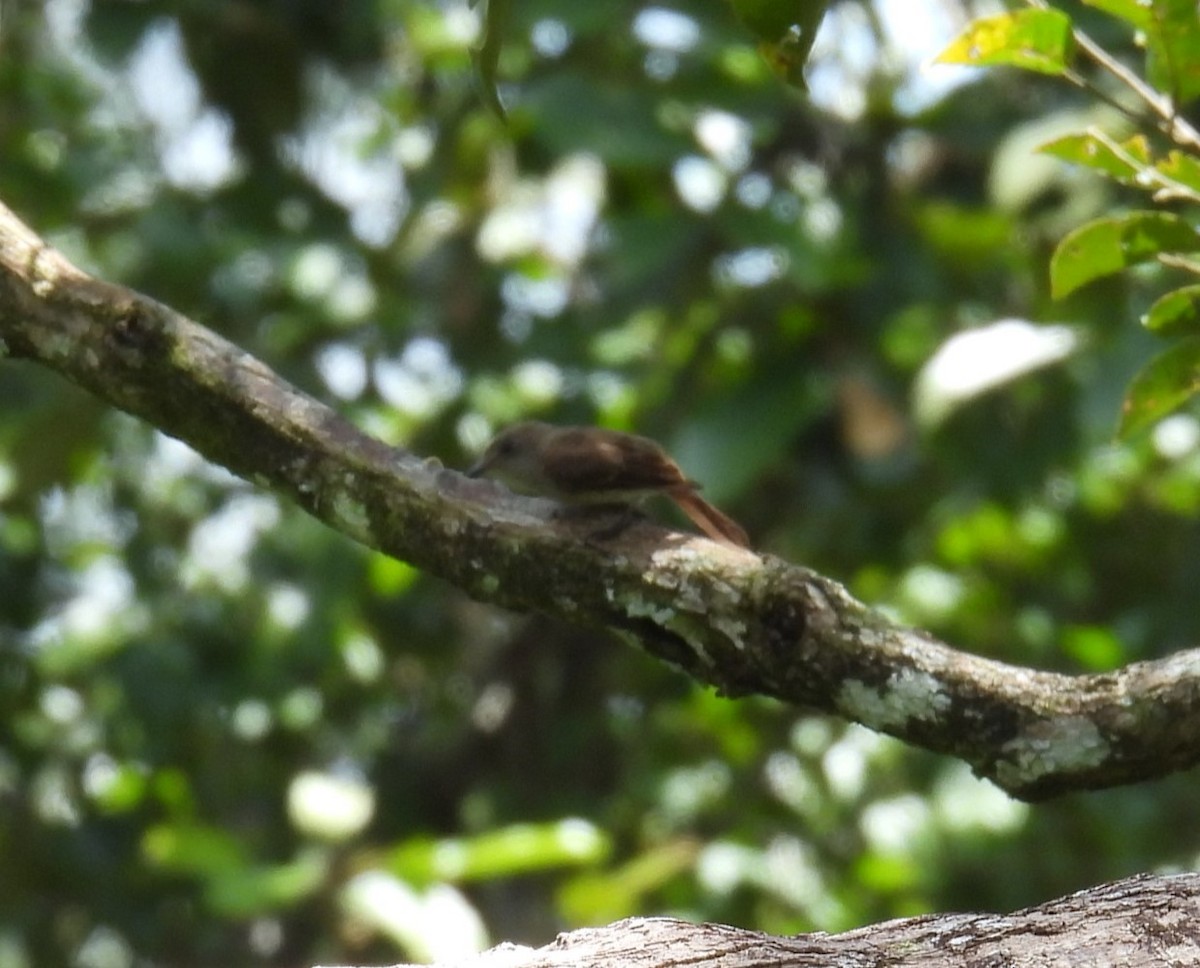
column 228, row 734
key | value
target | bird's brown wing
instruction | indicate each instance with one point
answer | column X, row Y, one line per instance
column 589, row 460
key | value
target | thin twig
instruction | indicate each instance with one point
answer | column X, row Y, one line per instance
column 1180, row 262
column 1175, row 127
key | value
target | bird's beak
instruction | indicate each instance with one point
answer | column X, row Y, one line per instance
column 477, row 469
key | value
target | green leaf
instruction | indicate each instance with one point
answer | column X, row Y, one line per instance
column 1108, row 245
column 1131, row 11
column 609, row 894
column 1122, row 161
column 785, row 31
column 1176, row 313
column 516, row 849
column 1036, row 40
column 192, row 848
column 1181, row 168
column 1095, row 647
column 1130, row 162
column 1173, row 49
column 122, row 790
column 247, row 891
column 1164, row 384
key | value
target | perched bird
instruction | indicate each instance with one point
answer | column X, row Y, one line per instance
column 590, row 466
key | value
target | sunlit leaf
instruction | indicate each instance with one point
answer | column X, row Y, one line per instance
column 888, row 872
column 607, row 895
column 785, row 31
column 1164, row 384
column 1122, row 161
column 121, row 789
column 1095, row 647
column 328, row 806
column 1108, row 245
column 438, row 925
column 1036, row 40
column 389, row 577
column 1182, row 168
column 1175, row 313
column 978, row 360
column 516, row 849
column 1131, row 11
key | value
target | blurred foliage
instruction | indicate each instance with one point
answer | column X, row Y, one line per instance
column 1045, row 40
column 228, row 734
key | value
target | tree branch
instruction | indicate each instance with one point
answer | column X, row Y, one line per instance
column 1140, row 922
column 741, row 622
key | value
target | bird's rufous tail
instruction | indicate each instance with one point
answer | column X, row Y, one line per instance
column 715, row 523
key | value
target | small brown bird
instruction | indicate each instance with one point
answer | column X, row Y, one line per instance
column 591, row 466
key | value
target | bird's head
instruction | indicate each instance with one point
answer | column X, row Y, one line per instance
column 514, row 457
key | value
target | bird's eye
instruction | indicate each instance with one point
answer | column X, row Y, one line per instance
column 506, row 447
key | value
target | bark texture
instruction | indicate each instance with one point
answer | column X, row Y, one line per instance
column 1141, row 922
column 741, row 622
